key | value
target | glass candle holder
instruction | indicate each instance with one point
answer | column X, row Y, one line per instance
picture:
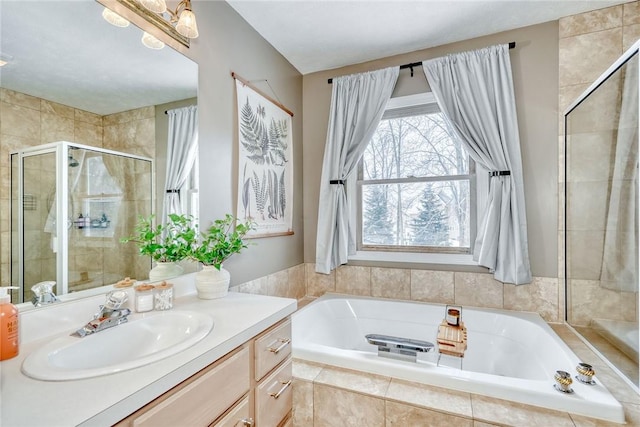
column 163, row 296
column 144, row 298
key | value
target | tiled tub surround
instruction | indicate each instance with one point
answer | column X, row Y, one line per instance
column 510, row 355
column 541, row 296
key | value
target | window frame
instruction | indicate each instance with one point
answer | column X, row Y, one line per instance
column 455, row 255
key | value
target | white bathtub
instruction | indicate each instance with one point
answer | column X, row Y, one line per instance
column 510, row 355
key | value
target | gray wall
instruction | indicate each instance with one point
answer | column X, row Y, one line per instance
column 535, row 68
column 227, row 43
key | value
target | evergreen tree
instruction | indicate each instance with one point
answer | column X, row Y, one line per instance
column 430, row 226
column 377, row 228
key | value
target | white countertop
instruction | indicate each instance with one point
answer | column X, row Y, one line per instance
column 105, row 400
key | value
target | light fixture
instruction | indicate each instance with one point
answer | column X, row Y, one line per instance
column 151, row 42
column 182, row 16
column 156, row 6
column 114, row 19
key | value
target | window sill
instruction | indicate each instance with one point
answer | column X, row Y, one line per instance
column 414, row 258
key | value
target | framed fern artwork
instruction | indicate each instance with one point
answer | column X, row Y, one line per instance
column 265, row 182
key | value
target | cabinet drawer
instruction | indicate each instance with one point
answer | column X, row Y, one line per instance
column 274, row 397
column 238, row 417
column 272, row 348
column 202, row 400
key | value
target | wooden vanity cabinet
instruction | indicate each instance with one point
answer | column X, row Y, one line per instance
column 250, row 386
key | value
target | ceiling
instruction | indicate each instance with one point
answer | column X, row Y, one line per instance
column 317, row 35
column 63, row 51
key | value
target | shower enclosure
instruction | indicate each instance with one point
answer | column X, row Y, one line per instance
column 70, row 206
column 601, row 215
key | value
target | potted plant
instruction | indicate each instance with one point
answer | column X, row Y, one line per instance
column 221, row 240
column 165, row 244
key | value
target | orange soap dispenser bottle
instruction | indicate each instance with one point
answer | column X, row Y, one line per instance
column 9, row 337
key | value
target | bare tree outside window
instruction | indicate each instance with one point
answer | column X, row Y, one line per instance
column 415, row 186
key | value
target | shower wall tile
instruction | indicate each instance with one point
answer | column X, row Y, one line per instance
column 19, row 99
column 567, row 95
column 400, row 415
column 478, row 289
column 19, row 121
column 334, row 407
column 631, row 13
column 578, row 66
column 588, row 210
column 432, row 286
column 584, row 254
column 129, row 116
column 353, row 280
column 390, row 283
column 318, row 284
column 56, row 109
column 597, row 20
column 630, row 35
column 540, row 296
column 87, row 117
column 55, row 128
column 594, row 150
column 610, row 304
column 88, row 134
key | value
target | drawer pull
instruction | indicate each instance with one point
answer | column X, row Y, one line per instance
column 285, row 384
column 246, row 422
column 285, row 342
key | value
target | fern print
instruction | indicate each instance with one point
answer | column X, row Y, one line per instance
column 283, row 194
column 260, row 191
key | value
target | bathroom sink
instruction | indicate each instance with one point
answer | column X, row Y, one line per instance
column 138, row 342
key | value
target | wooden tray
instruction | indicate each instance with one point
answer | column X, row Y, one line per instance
column 452, row 340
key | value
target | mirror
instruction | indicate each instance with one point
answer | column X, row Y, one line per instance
column 601, row 216
column 71, row 76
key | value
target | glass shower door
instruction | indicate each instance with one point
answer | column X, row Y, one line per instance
column 36, row 204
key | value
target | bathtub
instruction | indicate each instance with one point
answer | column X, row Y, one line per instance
column 510, row 355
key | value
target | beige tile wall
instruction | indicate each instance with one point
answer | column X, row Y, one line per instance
column 27, row 121
column 589, row 43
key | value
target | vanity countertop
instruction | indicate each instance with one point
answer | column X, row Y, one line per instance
column 107, row 399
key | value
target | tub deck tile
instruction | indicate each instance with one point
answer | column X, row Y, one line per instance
column 430, row 397
column 516, row 414
column 631, row 413
column 307, row 371
column 361, row 382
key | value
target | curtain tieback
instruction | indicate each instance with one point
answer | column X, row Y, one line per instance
column 499, row 173
column 173, row 191
column 337, row 182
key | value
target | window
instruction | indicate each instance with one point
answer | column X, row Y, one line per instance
column 416, row 183
column 189, row 191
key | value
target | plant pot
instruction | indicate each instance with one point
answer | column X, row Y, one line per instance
column 212, row 283
column 165, row 270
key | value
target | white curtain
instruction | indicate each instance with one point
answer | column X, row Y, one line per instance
column 474, row 90
column 357, row 104
column 620, row 257
column 182, row 147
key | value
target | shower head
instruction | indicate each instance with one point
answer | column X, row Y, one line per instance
column 73, row 162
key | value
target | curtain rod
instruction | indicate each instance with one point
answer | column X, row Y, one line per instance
column 419, row 64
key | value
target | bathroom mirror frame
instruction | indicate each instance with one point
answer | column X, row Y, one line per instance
column 595, row 337
column 170, row 101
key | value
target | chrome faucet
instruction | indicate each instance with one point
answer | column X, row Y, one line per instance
column 43, row 293
column 110, row 314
